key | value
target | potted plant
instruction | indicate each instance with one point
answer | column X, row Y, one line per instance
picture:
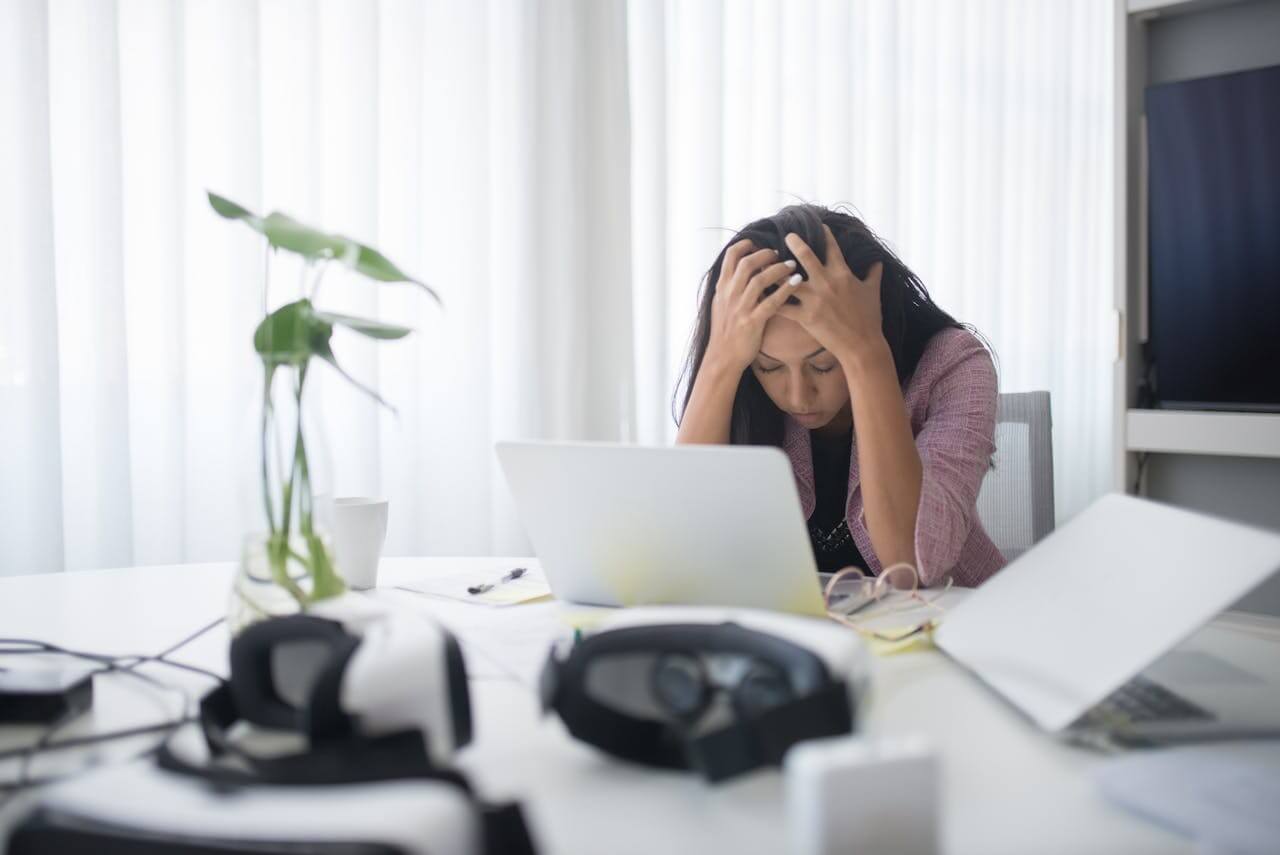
column 289, row 566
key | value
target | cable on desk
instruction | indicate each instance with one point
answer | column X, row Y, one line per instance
column 45, row 742
column 126, row 664
column 93, row 739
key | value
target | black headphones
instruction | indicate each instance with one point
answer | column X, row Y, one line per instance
column 719, row 698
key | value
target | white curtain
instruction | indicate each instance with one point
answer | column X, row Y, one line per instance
column 561, row 171
column 975, row 136
column 481, row 146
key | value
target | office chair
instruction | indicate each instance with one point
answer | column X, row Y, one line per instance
column 1015, row 502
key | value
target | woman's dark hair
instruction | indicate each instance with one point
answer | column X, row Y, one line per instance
column 910, row 317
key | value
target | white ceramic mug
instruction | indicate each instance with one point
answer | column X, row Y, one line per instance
column 359, row 530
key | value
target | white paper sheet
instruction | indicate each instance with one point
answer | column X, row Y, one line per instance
column 1225, row 795
column 453, row 586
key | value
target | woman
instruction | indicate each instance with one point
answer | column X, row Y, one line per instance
column 812, row 336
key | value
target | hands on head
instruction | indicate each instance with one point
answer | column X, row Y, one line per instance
column 840, row 311
column 741, row 308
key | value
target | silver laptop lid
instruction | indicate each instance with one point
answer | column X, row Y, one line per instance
column 1099, row 600
column 691, row 525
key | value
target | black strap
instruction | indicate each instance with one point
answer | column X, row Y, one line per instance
column 364, row 760
column 396, row 756
column 637, row 739
column 352, row 760
column 324, row 717
column 504, row 829
column 745, row 745
column 762, row 740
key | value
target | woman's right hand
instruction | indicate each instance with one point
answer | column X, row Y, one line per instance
column 738, row 315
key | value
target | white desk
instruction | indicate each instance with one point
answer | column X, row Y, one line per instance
column 1006, row 787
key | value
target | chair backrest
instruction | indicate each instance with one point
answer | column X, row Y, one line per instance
column 1015, row 503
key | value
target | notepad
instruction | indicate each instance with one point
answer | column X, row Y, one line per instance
column 528, row 588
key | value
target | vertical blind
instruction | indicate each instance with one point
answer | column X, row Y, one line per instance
column 561, row 171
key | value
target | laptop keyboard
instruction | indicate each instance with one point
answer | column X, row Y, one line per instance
column 1142, row 700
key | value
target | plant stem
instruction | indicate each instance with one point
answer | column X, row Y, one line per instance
column 277, row 546
column 287, row 501
column 315, row 286
column 325, row 582
column 266, row 430
column 278, row 558
column 266, row 279
column 300, row 461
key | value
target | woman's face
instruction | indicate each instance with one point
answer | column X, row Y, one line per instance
column 801, row 377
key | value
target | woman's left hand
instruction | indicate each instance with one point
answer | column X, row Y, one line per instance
column 837, row 308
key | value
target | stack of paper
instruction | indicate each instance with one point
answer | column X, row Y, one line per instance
column 1225, row 795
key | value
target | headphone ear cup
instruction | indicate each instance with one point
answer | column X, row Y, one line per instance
column 761, row 688
column 324, row 718
column 678, row 682
column 257, row 654
column 549, row 682
column 455, row 669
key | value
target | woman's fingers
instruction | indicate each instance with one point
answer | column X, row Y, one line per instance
column 834, row 256
column 729, row 266
column 807, row 303
column 751, row 264
column 770, row 275
column 732, row 256
column 801, row 251
column 771, row 305
column 873, row 275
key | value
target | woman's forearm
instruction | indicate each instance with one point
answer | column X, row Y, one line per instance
column 888, row 461
column 710, row 411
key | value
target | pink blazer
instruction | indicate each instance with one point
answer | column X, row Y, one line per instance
column 951, row 399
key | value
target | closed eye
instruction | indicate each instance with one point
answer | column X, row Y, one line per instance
column 820, row 370
column 764, row 370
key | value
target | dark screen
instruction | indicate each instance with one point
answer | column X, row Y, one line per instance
column 1214, row 202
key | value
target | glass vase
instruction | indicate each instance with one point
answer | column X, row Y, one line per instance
column 286, row 561
column 260, row 591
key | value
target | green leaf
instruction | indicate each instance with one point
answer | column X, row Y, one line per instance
column 373, row 329
column 281, row 230
column 375, row 265
column 232, row 211
column 295, row 332
column 326, row 353
column 368, row 261
column 290, row 335
column 285, row 232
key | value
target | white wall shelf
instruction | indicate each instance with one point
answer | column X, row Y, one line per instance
column 1193, row 432
column 1224, row 464
column 1139, row 7
column 1158, row 41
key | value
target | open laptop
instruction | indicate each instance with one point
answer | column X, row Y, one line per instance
column 1083, row 632
column 626, row 525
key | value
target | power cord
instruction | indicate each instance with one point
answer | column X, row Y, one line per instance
column 128, row 665
column 1138, row 472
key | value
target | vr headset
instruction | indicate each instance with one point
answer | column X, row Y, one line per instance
column 378, row 701
column 721, row 692
column 389, row 685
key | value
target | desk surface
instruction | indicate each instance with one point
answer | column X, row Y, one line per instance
column 1006, row 787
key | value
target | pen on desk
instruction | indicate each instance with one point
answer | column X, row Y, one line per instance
column 489, row 586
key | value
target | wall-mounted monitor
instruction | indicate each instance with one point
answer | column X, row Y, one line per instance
column 1214, row 222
